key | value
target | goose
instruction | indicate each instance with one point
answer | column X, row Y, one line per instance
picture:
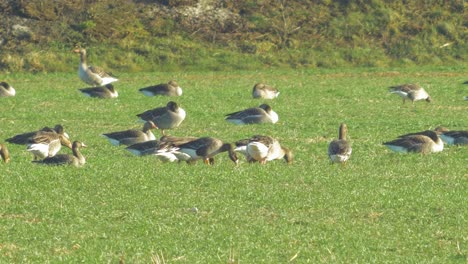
column 6, row 90
column 255, row 115
column 90, row 74
column 453, row 137
column 204, row 148
column 4, row 154
column 339, row 150
column 241, row 146
column 261, row 90
column 167, row 117
column 265, row 148
column 171, row 88
column 106, row 91
column 421, row 142
column 47, row 143
column 77, row 159
column 131, row 136
column 412, row 92
column 157, row 146
column 23, row 139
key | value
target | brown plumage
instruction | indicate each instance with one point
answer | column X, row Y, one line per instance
column 171, row 88
column 339, row 150
column 167, row 117
column 4, row 153
column 77, row 159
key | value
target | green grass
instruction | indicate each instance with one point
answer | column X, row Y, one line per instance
column 380, row 207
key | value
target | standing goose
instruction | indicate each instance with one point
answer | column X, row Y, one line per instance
column 90, row 74
column 421, row 142
column 23, row 139
column 339, row 150
column 166, row 117
column 261, row 90
column 131, row 136
column 453, row 137
column 205, row 148
column 4, row 154
column 255, row 115
column 412, row 92
column 265, row 148
column 77, row 159
column 171, row 88
column 106, row 91
column 6, row 90
column 47, row 143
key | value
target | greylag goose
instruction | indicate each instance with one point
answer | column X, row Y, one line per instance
column 23, row 139
column 166, row 117
column 261, row 90
column 255, row 115
column 171, row 88
column 421, row 142
column 204, row 148
column 412, row 92
column 339, row 150
column 106, row 91
column 77, row 159
column 131, row 136
column 6, row 90
column 265, row 148
column 153, row 147
column 47, row 143
column 4, row 154
column 90, row 74
column 453, row 137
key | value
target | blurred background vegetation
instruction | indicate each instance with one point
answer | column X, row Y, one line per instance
column 171, row 35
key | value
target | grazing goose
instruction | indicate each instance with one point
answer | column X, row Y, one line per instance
column 166, row 117
column 4, row 154
column 106, row 91
column 241, row 146
column 255, row 115
column 77, row 159
column 421, row 142
column 154, row 147
column 412, row 92
column 171, row 88
column 261, row 90
column 6, row 90
column 452, row 137
column 47, row 143
column 23, row 139
column 131, row 136
column 339, row 150
column 265, row 148
column 90, row 74
column 204, row 148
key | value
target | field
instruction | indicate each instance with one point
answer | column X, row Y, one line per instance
column 380, row 207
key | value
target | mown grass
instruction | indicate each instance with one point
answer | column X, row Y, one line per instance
column 380, row 207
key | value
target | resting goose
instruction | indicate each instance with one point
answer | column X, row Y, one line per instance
column 47, row 143
column 265, row 148
column 261, row 90
column 106, row 91
column 255, row 115
column 453, row 137
column 339, row 150
column 77, row 159
column 23, row 139
column 421, row 142
column 131, row 136
column 412, row 92
column 4, row 154
column 171, row 88
column 166, row 117
column 6, row 90
column 90, row 74
column 204, row 148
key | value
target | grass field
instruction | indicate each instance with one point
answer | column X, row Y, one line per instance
column 381, row 207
